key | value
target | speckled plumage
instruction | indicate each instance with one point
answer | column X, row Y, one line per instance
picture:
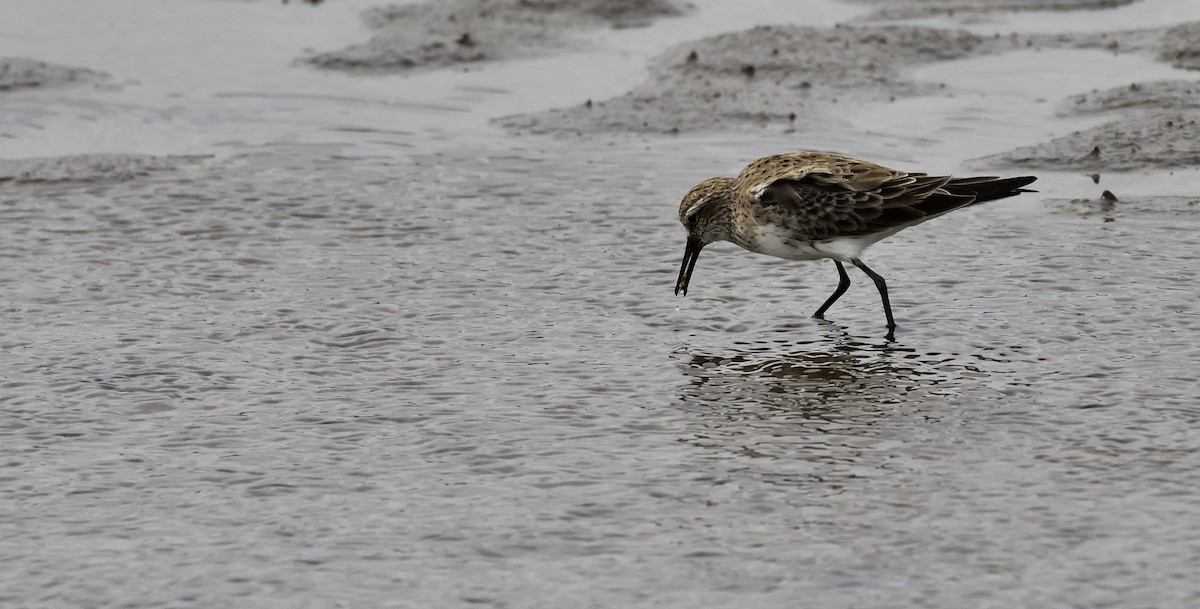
column 811, row 205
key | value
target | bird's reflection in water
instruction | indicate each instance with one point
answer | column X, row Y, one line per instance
column 818, row 411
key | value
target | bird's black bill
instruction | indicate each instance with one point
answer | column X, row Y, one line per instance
column 694, row 245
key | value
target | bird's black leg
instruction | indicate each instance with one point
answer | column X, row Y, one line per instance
column 879, row 283
column 843, row 284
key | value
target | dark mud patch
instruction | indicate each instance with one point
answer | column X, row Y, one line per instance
column 1159, row 141
column 917, row 9
column 1156, row 124
column 439, row 34
column 20, row 73
column 764, row 75
column 90, row 167
column 1177, row 45
column 1148, row 96
column 1109, row 207
column 1181, row 46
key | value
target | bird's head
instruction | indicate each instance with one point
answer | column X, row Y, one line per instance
column 705, row 213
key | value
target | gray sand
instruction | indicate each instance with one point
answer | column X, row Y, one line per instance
column 1154, row 123
column 438, row 34
column 1178, row 45
column 795, row 75
column 21, row 73
column 915, row 9
column 1160, row 140
column 1181, row 46
column 90, row 167
column 1150, row 96
column 767, row 74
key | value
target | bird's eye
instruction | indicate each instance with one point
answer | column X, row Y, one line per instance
column 691, row 221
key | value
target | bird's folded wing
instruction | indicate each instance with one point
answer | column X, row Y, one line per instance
column 828, row 205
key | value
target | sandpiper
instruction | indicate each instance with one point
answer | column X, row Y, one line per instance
column 812, row 205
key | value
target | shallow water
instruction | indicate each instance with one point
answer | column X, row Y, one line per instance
column 420, row 369
column 357, row 385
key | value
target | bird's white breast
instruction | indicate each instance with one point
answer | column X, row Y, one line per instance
column 775, row 241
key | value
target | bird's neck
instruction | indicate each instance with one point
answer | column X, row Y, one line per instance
column 720, row 222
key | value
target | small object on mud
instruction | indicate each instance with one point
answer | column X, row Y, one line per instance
column 587, row 104
column 1108, row 204
column 465, row 40
column 814, row 205
column 1095, row 178
column 692, row 57
column 792, row 116
column 748, row 70
column 804, row 84
column 1095, row 153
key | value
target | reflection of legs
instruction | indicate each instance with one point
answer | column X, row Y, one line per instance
column 879, row 283
column 843, row 283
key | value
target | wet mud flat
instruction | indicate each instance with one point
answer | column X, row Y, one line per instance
column 791, row 75
column 915, row 9
column 407, row 368
column 22, row 73
column 802, row 78
column 85, row 168
column 463, row 32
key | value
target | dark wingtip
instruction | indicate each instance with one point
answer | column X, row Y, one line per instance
column 1023, row 181
column 988, row 188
